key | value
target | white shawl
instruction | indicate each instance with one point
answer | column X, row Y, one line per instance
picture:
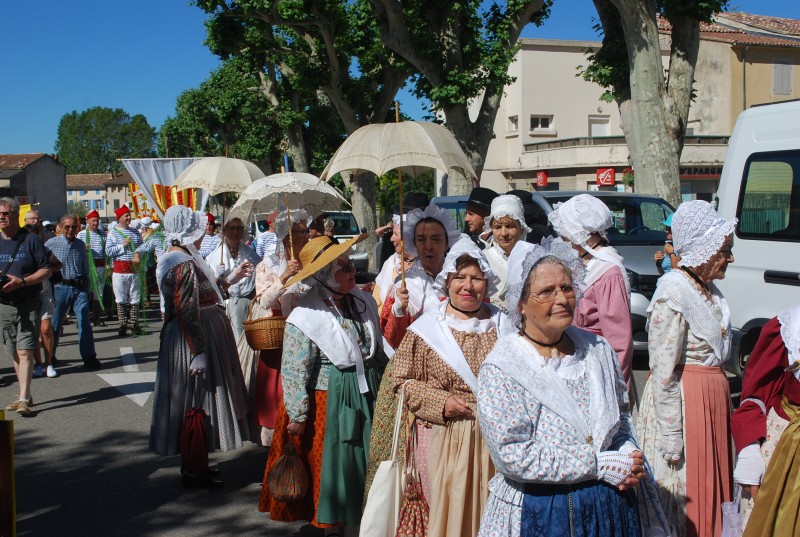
column 432, row 326
column 517, row 359
column 790, row 333
column 315, row 319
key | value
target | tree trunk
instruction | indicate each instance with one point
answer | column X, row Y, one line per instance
column 363, row 202
column 649, row 118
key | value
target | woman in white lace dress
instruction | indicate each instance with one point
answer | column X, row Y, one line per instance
column 554, row 413
column 684, row 419
column 507, row 225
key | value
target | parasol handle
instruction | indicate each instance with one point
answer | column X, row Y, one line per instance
column 400, row 195
column 289, row 219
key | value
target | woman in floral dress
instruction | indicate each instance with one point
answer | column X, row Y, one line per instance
column 333, row 359
column 684, row 418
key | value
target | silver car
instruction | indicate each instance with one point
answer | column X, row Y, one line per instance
column 637, row 233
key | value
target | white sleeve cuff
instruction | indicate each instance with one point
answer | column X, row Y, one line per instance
column 397, row 309
column 750, row 466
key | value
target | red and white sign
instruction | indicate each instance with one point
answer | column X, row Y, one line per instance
column 606, row 177
column 541, row 178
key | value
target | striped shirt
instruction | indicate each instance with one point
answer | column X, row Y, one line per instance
column 153, row 244
column 209, row 244
column 72, row 256
column 114, row 244
column 96, row 241
column 266, row 244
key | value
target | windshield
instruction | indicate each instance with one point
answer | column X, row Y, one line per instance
column 634, row 220
column 343, row 223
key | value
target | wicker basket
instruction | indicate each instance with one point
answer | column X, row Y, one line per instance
column 265, row 333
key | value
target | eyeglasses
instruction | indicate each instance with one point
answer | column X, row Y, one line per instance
column 549, row 295
column 348, row 268
column 6, row 213
column 73, row 226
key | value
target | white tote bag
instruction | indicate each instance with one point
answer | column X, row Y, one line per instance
column 386, row 494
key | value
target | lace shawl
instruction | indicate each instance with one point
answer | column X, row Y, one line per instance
column 790, row 333
column 680, row 294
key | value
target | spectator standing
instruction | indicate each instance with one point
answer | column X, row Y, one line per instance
column 121, row 244
column 33, row 224
column 224, row 260
column 73, row 289
column 25, row 265
column 210, row 240
column 267, row 241
column 479, row 206
column 95, row 241
column 666, row 259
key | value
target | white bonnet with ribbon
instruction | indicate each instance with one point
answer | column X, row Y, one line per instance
column 431, row 211
column 465, row 246
column 507, row 205
column 698, row 232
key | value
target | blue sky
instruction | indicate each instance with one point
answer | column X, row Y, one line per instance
column 140, row 55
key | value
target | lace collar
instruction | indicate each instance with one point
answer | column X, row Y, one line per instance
column 790, row 333
column 709, row 320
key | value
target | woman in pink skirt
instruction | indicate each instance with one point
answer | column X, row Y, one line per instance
column 684, row 418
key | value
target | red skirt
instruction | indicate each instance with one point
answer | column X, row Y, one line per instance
column 309, row 448
column 269, row 390
column 709, row 468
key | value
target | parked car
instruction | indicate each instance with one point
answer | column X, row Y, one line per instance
column 637, row 233
column 760, row 185
column 456, row 206
column 345, row 227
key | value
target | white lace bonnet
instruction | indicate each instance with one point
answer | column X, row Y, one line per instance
column 580, row 216
column 431, row 211
column 789, row 320
column 465, row 246
column 507, row 205
column 698, row 232
column 282, row 221
column 526, row 256
column 183, row 224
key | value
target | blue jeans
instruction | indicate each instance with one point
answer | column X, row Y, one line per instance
column 66, row 296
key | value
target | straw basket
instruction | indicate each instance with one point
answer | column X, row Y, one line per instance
column 265, row 333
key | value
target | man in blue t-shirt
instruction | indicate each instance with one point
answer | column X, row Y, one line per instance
column 24, row 265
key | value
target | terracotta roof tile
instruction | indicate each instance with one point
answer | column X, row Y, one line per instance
column 20, row 161
column 123, row 179
column 718, row 31
column 771, row 24
column 92, row 181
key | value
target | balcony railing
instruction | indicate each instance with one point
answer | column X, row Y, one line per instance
column 616, row 140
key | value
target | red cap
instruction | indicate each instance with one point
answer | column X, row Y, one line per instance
column 122, row 211
column 211, row 218
column 92, row 214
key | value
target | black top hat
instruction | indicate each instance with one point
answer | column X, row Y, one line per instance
column 415, row 200
column 480, row 200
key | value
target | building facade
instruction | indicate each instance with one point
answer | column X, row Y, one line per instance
column 554, row 131
column 35, row 178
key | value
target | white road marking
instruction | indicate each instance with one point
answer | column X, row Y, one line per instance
column 135, row 385
column 129, row 364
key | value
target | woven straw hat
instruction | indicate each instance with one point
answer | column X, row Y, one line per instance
column 320, row 252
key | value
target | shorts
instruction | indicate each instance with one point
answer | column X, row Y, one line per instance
column 19, row 325
column 48, row 301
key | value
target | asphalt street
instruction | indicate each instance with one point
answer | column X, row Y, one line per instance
column 82, row 464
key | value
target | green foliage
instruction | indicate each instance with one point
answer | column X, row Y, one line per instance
column 76, row 207
column 608, row 66
column 225, row 111
column 91, row 141
column 473, row 41
column 388, row 189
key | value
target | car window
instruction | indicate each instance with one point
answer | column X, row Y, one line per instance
column 769, row 205
column 634, row 221
column 456, row 211
column 344, row 224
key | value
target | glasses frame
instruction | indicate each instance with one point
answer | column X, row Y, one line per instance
column 567, row 290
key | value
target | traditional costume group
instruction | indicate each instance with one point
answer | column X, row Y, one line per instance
column 545, row 442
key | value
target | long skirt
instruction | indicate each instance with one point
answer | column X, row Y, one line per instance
column 221, row 392
column 268, row 390
column 459, row 471
column 693, row 489
column 309, row 448
column 777, row 507
column 590, row 509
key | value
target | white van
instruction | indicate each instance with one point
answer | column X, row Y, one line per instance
column 760, row 185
